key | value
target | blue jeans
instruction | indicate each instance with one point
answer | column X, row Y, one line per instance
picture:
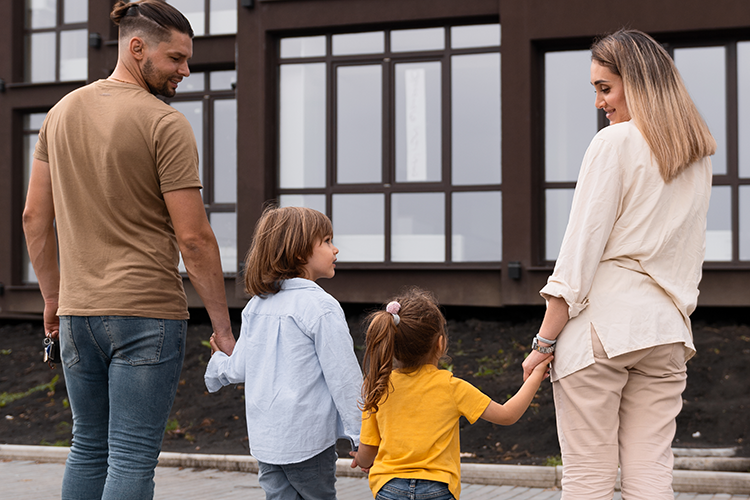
column 414, row 489
column 121, row 374
column 313, row 479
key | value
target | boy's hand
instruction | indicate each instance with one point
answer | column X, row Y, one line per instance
column 214, row 345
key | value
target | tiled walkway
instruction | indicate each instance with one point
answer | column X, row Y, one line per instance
column 25, row 480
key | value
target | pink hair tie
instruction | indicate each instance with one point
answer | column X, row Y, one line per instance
column 393, row 308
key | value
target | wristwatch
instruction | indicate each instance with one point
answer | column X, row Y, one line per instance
column 544, row 350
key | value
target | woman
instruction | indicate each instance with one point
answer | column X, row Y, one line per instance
column 626, row 279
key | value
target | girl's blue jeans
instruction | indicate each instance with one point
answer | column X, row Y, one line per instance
column 121, row 374
column 414, row 489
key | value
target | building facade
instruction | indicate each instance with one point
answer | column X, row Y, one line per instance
column 442, row 137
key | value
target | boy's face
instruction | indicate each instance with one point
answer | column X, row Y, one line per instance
column 322, row 261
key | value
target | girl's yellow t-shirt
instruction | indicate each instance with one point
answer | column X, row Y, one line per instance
column 416, row 427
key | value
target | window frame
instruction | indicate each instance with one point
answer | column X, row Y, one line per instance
column 59, row 27
column 207, row 97
column 388, row 185
column 730, row 179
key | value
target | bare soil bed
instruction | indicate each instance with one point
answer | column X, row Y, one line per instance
column 486, row 349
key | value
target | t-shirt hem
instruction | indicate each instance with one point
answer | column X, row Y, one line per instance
column 126, row 313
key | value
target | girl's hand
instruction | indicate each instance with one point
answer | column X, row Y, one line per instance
column 354, row 464
column 534, row 360
column 544, row 368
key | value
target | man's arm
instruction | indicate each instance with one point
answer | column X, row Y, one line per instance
column 200, row 252
column 41, row 242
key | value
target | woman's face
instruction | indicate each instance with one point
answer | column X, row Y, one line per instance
column 610, row 93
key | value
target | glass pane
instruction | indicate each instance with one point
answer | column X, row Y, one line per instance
column 743, row 107
column 570, row 120
column 359, row 227
column 704, row 72
column 302, row 141
column 359, row 129
column 76, row 11
column 225, row 228
column 421, row 39
column 193, row 111
column 194, row 10
column 223, row 80
column 33, row 121
column 305, row 46
column 225, row 151
column 29, row 144
column 475, row 115
column 744, row 222
column 196, row 82
column 74, row 62
column 480, row 35
column 477, row 227
column 418, row 227
column 40, row 57
column 359, row 43
column 223, row 17
column 719, row 225
column 557, row 210
column 41, row 13
column 314, row 201
column 418, row 122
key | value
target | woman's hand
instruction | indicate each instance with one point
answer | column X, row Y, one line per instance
column 535, row 360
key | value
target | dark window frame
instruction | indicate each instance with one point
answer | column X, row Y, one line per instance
column 207, row 97
column 731, row 178
column 388, row 185
column 59, row 27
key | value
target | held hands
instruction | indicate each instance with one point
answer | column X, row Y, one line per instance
column 537, row 362
column 222, row 342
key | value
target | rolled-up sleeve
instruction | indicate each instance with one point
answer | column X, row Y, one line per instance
column 596, row 204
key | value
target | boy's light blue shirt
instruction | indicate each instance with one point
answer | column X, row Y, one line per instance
column 295, row 356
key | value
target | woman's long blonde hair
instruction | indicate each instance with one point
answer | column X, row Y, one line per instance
column 657, row 100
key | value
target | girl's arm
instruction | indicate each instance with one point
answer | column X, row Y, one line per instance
column 512, row 410
column 364, row 456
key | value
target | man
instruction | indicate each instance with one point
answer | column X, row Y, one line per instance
column 115, row 178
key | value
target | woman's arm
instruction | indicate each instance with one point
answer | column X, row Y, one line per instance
column 555, row 319
column 512, row 410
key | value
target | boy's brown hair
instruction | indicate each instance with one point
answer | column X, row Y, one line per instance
column 283, row 241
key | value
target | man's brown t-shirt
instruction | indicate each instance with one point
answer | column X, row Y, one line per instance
column 113, row 150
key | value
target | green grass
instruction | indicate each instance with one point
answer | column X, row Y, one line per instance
column 9, row 397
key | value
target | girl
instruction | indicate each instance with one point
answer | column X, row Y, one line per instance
column 295, row 356
column 410, row 417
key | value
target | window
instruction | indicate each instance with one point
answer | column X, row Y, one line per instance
column 32, row 122
column 56, row 40
column 714, row 75
column 209, row 17
column 208, row 102
column 395, row 134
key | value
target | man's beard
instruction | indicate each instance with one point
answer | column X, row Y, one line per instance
column 151, row 78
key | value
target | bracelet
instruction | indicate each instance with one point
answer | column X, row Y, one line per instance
column 542, row 339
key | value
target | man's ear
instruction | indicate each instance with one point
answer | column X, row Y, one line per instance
column 137, row 47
